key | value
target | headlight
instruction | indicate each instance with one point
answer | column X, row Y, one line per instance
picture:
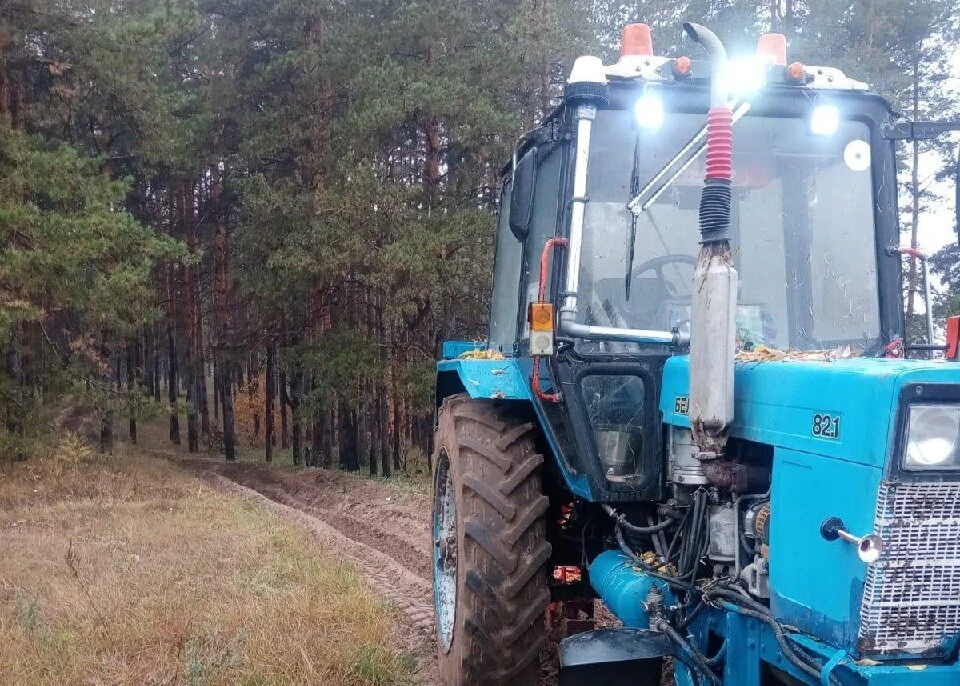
column 933, row 434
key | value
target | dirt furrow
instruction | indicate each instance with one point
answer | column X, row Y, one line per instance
column 386, row 572
column 383, row 532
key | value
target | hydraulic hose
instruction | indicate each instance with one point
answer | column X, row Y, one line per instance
column 621, row 520
column 699, row 659
column 669, row 580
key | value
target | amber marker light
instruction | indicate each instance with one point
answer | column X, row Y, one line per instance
column 772, row 48
column 636, row 41
column 796, row 72
column 541, row 316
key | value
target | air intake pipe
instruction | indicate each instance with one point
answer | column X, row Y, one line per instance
column 714, row 307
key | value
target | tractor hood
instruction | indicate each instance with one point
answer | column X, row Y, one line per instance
column 837, row 432
column 777, row 402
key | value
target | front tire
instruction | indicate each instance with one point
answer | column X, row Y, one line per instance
column 490, row 548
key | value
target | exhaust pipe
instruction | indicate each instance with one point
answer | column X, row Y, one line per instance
column 715, row 281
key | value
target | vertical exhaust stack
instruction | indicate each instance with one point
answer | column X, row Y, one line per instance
column 714, row 315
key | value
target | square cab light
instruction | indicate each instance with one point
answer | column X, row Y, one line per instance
column 541, row 328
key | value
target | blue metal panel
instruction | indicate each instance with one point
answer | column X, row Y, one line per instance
column 816, row 585
column 776, row 402
column 499, row 379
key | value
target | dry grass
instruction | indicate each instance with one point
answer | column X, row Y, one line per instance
column 129, row 572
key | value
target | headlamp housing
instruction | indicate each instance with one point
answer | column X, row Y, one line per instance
column 932, row 441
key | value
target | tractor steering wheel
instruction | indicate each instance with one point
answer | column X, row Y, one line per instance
column 657, row 265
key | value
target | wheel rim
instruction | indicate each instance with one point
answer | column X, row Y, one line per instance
column 444, row 552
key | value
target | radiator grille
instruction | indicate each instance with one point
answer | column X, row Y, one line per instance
column 911, row 599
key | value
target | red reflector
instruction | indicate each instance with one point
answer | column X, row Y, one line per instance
column 636, row 40
column 567, row 574
column 796, row 72
column 953, row 337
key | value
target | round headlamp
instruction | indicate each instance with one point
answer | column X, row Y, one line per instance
column 933, row 434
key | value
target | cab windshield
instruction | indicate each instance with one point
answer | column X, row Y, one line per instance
column 802, row 232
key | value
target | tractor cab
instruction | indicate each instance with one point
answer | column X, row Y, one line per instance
column 694, row 403
column 812, row 216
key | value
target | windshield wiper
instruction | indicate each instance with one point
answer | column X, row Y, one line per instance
column 697, row 144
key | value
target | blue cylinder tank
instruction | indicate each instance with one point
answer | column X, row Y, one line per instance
column 624, row 587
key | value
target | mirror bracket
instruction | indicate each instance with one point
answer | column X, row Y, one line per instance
column 924, row 131
column 918, row 130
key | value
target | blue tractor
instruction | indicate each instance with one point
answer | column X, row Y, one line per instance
column 696, row 402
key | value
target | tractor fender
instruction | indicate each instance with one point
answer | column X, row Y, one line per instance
column 503, row 379
column 613, row 657
column 482, row 379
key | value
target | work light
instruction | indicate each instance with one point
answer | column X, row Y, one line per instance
column 825, row 120
column 744, row 76
column 649, row 111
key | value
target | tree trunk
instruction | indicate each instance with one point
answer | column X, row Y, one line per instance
column 316, row 429
column 204, row 401
column 188, row 309
column 348, row 434
column 326, row 422
column 132, row 384
column 373, row 430
column 226, row 410
column 202, row 366
column 106, row 412
column 222, row 313
column 216, row 390
column 271, row 388
column 253, row 393
column 296, row 397
column 383, row 387
column 385, row 455
column 155, row 337
column 284, row 403
column 106, row 432
column 172, row 394
column 431, row 169
column 915, row 192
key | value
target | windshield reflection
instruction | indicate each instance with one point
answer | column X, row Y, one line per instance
column 802, row 232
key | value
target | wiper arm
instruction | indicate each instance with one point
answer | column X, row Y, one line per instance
column 697, row 145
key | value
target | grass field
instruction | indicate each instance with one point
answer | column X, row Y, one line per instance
column 124, row 570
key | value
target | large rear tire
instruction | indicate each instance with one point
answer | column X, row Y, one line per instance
column 490, row 548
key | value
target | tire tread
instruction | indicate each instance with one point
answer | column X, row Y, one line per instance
column 504, row 595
